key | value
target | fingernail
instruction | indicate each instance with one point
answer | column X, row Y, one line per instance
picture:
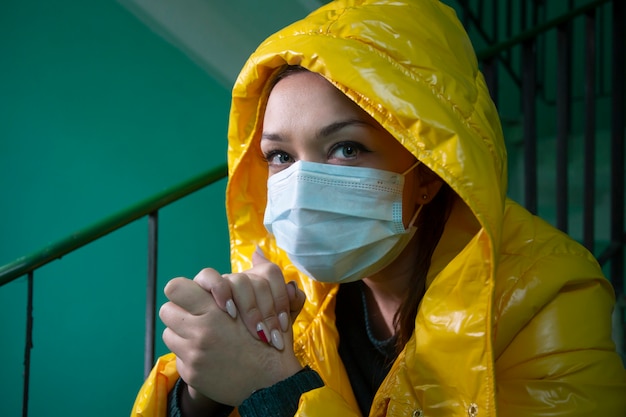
column 232, row 310
column 261, row 331
column 292, row 288
column 283, row 318
column 277, row 340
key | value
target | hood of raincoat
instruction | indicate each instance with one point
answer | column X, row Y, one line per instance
column 411, row 66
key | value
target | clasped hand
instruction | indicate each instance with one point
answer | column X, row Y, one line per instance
column 220, row 327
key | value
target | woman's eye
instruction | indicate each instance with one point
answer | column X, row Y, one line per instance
column 346, row 150
column 278, row 158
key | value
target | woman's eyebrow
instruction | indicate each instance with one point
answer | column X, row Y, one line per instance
column 337, row 126
column 323, row 132
column 274, row 137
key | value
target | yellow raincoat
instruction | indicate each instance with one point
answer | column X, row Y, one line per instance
column 516, row 320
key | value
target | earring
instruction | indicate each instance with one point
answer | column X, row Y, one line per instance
column 424, row 196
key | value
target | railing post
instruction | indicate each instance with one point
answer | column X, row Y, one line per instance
column 589, row 131
column 617, row 147
column 153, row 229
column 490, row 70
column 563, row 110
column 618, row 236
column 529, row 87
column 29, row 343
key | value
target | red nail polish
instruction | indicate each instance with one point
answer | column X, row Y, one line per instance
column 262, row 336
column 260, row 331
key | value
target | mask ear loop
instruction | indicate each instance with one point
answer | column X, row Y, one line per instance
column 411, row 167
column 414, row 218
column 417, row 212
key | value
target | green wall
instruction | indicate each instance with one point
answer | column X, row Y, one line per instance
column 97, row 113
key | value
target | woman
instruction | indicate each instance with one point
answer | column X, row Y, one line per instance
column 428, row 292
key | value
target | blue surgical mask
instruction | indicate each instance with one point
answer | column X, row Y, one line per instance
column 337, row 223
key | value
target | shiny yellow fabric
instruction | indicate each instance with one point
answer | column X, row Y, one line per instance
column 516, row 318
column 152, row 398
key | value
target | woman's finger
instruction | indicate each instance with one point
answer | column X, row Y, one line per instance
column 188, row 295
column 267, row 298
column 245, row 300
column 212, row 281
column 297, row 298
column 270, row 272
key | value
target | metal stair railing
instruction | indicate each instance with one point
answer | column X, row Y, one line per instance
column 526, row 43
column 485, row 18
column 601, row 23
column 28, row 264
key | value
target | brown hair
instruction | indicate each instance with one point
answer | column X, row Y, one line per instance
column 430, row 225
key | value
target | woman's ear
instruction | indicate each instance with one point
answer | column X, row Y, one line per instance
column 428, row 185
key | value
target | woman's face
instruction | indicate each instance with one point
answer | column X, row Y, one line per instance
column 308, row 119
